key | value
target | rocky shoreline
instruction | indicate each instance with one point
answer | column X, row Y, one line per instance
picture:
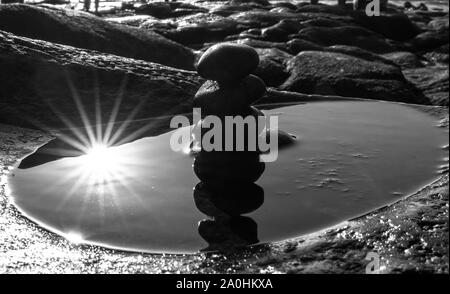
column 400, row 56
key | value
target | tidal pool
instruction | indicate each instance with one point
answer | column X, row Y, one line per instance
column 351, row 157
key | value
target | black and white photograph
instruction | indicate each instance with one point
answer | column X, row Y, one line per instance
column 224, row 138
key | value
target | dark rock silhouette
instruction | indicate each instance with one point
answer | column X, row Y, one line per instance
column 348, row 35
column 229, row 99
column 404, row 59
column 36, row 77
column 330, row 73
column 86, row 31
column 227, row 234
column 228, row 200
column 271, row 68
column 228, row 167
column 11, row 1
column 227, row 188
column 227, row 62
column 168, row 9
column 395, row 26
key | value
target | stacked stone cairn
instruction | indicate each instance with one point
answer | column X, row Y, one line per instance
column 230, row 90
column 227, row 187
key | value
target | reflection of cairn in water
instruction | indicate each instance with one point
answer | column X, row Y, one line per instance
column 227, row 189
column 225, row 204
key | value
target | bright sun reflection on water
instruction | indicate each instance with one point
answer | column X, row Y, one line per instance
column 101, row 163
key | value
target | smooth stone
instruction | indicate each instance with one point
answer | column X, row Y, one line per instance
column 228, row 233
column 227, row 62
column 274, row 34
column 228, row 199
column 229, row 99
column 284, row 139
column 228, row 167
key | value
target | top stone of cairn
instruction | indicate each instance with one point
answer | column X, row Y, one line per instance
column 227, row 62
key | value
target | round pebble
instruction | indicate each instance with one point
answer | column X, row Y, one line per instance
column 228, row 167
column 228, row 199
column 227, row 62
column 218, row 99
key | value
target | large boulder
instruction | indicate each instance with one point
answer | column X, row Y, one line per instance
column 168, row 9
column 39, row 79
column 262, row 19
column 297, row 45
column 430, row 40
column 156, row 9
column 404, row 59
column 227, row 10
column 321, row 8
column 439, row 55
column 86, row 31
column 395, row 26
column 272, row 66
column 280, row 31
column 348, row 35
column 433, row 81
column 259, row 2
column 359, row 53
column 201, row 31
column 331, row 73
column 440, row 23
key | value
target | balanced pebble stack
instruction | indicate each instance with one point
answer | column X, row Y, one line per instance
column 227, row 189
column 230, row 90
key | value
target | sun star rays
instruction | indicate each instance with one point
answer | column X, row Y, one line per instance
column 100, row 171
